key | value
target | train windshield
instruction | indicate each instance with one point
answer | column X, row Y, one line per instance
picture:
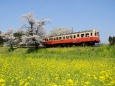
column 97, row 34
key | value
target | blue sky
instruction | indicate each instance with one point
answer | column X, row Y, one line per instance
column 79, row 14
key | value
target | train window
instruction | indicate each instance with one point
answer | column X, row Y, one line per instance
column 87, row 35
column 51, row 38
column 67, row 37
column 46, row 39
column 74, row 36
column 97, row 33
column 77, row 35
column 56, row 38
column 64, row 37
column 59, row 38
column 91, row 34
column 82, row 35
column 70, row 37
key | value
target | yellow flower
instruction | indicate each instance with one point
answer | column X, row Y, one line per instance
column 94, row 77
column 12, row 80
column 87, row 83
column 3, row 85
column 68, row 75
column 70, row 81
column 57, row 78
column 2, row 80
column 21, row 82
column 88, row 75
column 102, row 72
column 29, row 77
column 102, row 78
column 112, row 82
column 101, row 65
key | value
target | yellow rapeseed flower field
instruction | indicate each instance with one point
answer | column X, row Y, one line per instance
column 51, row 67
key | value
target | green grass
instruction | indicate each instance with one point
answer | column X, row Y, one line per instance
column 73, row 66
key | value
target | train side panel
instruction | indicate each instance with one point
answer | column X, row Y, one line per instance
column 88, row 37
column 73, row 41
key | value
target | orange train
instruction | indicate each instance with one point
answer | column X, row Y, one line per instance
column 87, row 37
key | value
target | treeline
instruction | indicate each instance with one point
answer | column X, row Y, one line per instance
column 111, row 40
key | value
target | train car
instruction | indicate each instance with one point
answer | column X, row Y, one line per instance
column 87, row 37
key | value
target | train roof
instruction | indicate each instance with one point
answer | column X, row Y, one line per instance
column 85, row 31
column 74, row 33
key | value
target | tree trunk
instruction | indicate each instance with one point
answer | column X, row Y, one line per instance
column 36, row 45
column 11, row 46
column 31, row 29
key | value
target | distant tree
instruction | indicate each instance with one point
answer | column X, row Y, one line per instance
column 1, row 38
column 9, row 37
column 111, row 40
column 59, row 31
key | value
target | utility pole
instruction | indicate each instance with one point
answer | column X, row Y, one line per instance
column 72, row 29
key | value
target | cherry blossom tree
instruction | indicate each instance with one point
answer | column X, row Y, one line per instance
column 1, row 38
column 34, row 32
column 30, row 18
column 9, row 38
column 18, row 36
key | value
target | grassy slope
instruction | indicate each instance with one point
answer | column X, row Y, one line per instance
column 58, row 66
